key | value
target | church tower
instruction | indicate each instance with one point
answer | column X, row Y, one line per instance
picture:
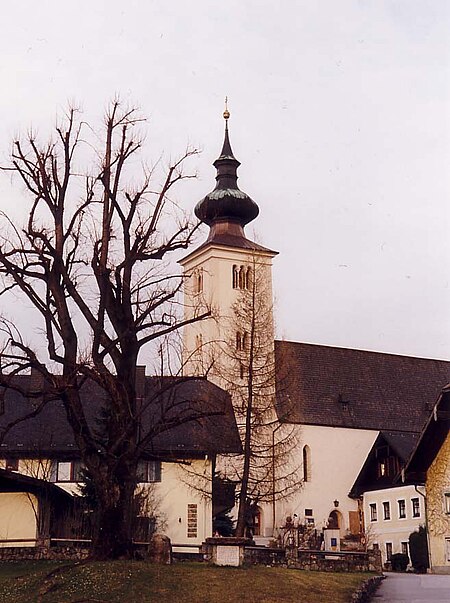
column 221, row 270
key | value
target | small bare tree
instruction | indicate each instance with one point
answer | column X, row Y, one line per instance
column 88, row 260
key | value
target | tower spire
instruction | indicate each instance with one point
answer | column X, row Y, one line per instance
column 226, row 209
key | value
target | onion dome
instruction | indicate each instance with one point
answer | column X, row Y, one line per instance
column 227, row 204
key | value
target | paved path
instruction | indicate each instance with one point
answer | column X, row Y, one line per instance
column 412, row 588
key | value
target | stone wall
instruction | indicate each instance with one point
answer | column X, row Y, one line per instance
column 59, row 553
column 261, row 555
column 325, row 561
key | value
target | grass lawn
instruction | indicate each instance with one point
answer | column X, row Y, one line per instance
column 140, row 582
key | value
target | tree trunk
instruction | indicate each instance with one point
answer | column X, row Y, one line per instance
column 113, row 525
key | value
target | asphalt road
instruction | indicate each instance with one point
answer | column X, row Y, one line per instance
column 412, row 588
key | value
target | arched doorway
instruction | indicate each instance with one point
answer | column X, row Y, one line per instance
column 257, row 524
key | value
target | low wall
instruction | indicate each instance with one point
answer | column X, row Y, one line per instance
column 326, row 561
column 27, row 553
column 262, row 555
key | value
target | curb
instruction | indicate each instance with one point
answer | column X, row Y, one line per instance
column 367, row 589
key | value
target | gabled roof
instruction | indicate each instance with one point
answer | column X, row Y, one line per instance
column 49, row 432
column 399, row 444
column 341, row 387
column 433, row 435
column 11, row 481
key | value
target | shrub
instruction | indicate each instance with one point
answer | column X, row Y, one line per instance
column 399, row 562
column 418, row 549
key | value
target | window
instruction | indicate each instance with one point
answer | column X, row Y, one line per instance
column 149, row 471
column 447, row 502
column 11, row 464
column 68, row 471
column 447, row 548
column 198, row 281
column 309, row 519
column 401, row 509
column 405, row 548
column 306, row 463
column 198, row 343
column 241, row 341
column 388, row 550
column 308, row 512
column 373, row 511
column 241, row 277
column 386, row 510
column 235, row 277
column 415, row 507
column 192, row 521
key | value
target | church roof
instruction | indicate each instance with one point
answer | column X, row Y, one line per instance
column 341, row 387
column 49, row 432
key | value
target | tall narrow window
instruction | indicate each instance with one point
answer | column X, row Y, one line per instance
column 192, row 521
column 241, row 277
column 401, row 509
column 373, row 512
column 388, row 550
column 447, row 502
column 248, row 278
column 199, row 281
column 198, row 343
column 238, row 341
column 415, row 507
column 306, row 463
column 235, row 277
column 386, row 510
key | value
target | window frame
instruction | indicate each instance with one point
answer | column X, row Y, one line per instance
column 415, row 507
column 149, row 471
column 75, row 466
column 386, row 510
column 401, row 504
column 389, row 547
column 373, row 512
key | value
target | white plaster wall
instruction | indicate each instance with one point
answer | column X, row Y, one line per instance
column 394, row 530
column 18, row 518
column 337, row 455
column 180, row 486
column 219, row 296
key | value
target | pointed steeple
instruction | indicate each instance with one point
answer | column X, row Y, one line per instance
column 226, row 209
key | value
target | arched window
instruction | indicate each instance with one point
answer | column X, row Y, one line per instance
column 238, row 341
column 198, row 342
column 248, row 278
column 199, row 281
column 235, row 277
column 244, row 340
column 306, row 463
column 241, row 277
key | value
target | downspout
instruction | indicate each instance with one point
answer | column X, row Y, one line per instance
column 426, row 525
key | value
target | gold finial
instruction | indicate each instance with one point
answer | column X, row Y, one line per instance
column 226, row 113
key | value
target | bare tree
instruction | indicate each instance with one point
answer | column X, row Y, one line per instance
column 88, row 259
column 266, row 471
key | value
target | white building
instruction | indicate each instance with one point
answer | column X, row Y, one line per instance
column 340, row 398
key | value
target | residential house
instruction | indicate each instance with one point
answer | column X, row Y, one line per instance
column 430, row 464
column 43, row 449
column 391, row 511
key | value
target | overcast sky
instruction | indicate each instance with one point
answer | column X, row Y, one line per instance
column 339, row 115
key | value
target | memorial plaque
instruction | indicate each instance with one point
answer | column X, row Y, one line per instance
column 227, row 555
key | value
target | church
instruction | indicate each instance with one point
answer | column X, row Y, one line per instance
column 355, row 415
column 328, row 429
